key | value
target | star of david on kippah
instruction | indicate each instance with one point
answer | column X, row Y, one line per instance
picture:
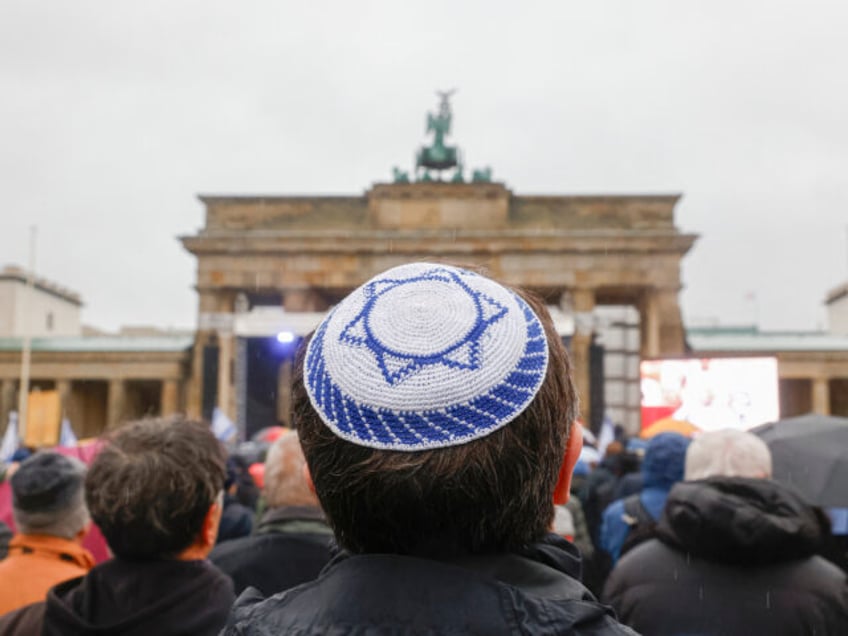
column 394, row 362
column 425, row 356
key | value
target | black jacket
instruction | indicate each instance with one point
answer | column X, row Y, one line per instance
column 163, row 598
column 290, row 546
column 733, row 556
column 530, row 593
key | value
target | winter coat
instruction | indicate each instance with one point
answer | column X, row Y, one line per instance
column 290, row 546
column 163, row 598
column 37, row 562
column 236, row 520
column 530, row 593
column 733, row 556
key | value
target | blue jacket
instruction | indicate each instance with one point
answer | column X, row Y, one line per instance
column 662, row 467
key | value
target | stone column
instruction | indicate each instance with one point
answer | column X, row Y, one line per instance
column 170, row 398
column 8, row 401
column 672, row 334
column 583, row 300
column 63, row 387
column 284, row 392
column 649, row 324
column 116, row 403
column 225, row 374
column 209, row 307
column 194, row 394
column 821, row 396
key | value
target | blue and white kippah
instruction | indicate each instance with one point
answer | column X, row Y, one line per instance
column 425, row 356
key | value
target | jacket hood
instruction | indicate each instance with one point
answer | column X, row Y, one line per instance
column 740, row 520
column 135, row 598
column 664, row 460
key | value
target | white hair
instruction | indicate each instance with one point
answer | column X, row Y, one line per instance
column 727, row 453
column 285, row 484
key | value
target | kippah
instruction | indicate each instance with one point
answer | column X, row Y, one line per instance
column 425, row 356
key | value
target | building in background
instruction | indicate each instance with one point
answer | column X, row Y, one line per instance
column 837, row 309
column 102, row 379
column 270, row 267
column 297, row 256
column 47, row 310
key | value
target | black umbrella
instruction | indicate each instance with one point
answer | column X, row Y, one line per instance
column 810, row 452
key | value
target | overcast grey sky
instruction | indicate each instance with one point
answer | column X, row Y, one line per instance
column 114, row 116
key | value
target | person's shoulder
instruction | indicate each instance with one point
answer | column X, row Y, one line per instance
column 232, row 547
column 253, row 610
column 29, row 619
column 819, row 576
column 613, row 516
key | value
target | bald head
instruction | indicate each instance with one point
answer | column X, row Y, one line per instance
column 285, row 484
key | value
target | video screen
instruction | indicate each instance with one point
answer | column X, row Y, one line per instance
column 710, row 393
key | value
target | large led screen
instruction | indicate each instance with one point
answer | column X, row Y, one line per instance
column 711, row 393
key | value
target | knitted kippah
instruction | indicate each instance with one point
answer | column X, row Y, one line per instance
column 425, row 356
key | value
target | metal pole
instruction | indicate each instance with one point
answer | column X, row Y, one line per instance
column 23, row 394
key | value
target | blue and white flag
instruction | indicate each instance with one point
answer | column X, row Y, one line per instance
column 10, row 439
column 67, row 438
column 222, row 426
column 606, row 435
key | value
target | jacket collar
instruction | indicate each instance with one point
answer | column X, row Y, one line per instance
column 51, row 547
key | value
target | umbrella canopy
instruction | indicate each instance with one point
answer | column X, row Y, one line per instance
column 810, row 452
column 669, row 425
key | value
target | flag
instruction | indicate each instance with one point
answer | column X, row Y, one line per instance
column 66, row 434
column 10, row 439
column 222, row 426
column 607, row 434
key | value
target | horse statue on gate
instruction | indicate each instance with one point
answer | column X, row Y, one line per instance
column 438, row 156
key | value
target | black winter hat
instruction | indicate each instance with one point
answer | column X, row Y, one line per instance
column 47, row 482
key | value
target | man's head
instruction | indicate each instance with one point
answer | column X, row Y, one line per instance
column 285, row 481
column 434, row 406
column 47, row 496
column 728, row 453
column 154, row 489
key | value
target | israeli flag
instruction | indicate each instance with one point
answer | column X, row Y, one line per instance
column 10, row 439
column 222, row 426
column 66, row 435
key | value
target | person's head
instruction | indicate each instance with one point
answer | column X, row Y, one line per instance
column 728, row 453
column 434, row 407
column 47, row 496
column 155, row 489
column 664, row 460
column 285, row 480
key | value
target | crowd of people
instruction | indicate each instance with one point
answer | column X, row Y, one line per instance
column 425, row 489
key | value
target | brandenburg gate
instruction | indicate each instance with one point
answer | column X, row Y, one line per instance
column 299, row 255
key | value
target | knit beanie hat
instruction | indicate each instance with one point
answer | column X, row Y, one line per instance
column 425, row 356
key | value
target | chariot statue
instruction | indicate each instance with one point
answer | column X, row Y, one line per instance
column 432, row 160
column 438, row 156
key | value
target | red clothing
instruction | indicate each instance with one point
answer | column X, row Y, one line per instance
column 37, row 562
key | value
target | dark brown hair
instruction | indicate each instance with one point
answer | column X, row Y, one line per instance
column 151, row 486
column 489, row 495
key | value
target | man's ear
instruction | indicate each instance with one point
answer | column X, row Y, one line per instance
column 211, row 522
column 572, row 453
column 205, row 539
column 307, row 477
